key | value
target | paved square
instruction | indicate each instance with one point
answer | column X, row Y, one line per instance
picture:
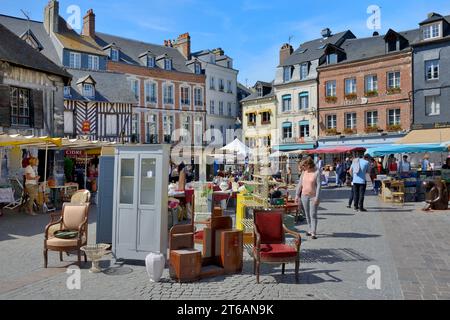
column 411, row 248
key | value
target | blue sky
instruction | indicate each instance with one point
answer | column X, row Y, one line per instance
column 250, row 31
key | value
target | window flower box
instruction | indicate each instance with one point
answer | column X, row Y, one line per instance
column 370, row 94
column 394, row 128
column 372, row 129
column 331, row 132
column 331, row 99
column 349, row 131
column 351, row 96
column 394, row 91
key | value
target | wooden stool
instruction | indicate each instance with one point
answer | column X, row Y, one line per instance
column 398, row 197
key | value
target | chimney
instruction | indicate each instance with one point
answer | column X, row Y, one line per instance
column 285, row 52
column 51, row 17
column 218, row 52
column 326, row 33
column 168, row 43
column 376, row 34
column 183, row 44
column 89, row 24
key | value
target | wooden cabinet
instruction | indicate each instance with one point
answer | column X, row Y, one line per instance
column 140, row 201
column 185, row 265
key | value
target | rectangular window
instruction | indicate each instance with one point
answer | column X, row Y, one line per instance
column 432, row 69
column 135, row 124
column 114, row 55
column 287, row 74
column 168, row 94
column 111, row 125
column 20, row 107
column 93, row 62
column 88, row 90
column 67, row 92
column 394, row 80
column 287, row 131
column 75, row 60
column 433, row 105
column 68, row 122
column 372, row 119
column 198, row 68
column 185, row 96
column 350, row 86
column 332, row 58
column 287, row 101
column 331, row 121
column 331, row 88
column 432, row 31
column 350, row 120
column 150, row 92
column 211, row 107
column 371, row 85
column 303, row 71
column 221, row 85
column 135, row 88
column 220, row 108
column 265, row 118
column 251, row 118
column 304, row 130
column 168, row 128
column 229, row 88
column 304, row 101
column 198, row 97
column 230, row 109
column 212, row 83
column 394, row 117
column 150, row 62
column 167, row 64
column 186, row 127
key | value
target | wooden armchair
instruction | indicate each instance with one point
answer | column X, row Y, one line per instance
column 74, row 217
column 269, row 242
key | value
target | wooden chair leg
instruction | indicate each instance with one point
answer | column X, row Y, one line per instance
column 258, row 265
column 61, row 256
column 45, row 258
column 254, row 266
column 283, row 268
column 297, row 267
column 79, row 257
column 85, row 257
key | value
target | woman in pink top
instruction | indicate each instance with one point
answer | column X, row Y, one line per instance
column 308, row 191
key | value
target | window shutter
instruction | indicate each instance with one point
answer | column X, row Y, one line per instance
column 37, row 98
column 5, row 106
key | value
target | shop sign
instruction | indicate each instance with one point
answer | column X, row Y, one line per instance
column 86, row 126
column 74, row 153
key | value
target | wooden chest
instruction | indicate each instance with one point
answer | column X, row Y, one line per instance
column 185, row 265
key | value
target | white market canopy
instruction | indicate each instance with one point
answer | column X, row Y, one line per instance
column 237, row 147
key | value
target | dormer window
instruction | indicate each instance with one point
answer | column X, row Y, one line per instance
column 432, row 31
column 168, row 64
column 150, row 62
column 260, row 91
column 287, row 74
column 332, row 58
column 114, row 55
column 198, row 68
column 304, row 71
column 67, row 92
column 88, row 90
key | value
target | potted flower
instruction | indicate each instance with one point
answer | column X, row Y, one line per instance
column 349, row 131
column 351, row 96
column 331, row 132
column 331, row 99
column 394, row 128
column 394, row 90
column 371, row 93
column 372, row 129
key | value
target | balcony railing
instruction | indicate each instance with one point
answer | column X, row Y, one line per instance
column 151, row 139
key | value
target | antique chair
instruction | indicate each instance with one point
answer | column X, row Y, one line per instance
column 74, row 217
column 270, row 243
column 79, row 197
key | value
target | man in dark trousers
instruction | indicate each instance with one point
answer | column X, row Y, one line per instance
column 359, row 170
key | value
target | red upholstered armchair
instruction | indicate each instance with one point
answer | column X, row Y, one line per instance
column 269, row 242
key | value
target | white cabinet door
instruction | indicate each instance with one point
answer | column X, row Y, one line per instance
column 126, row 220
column 149, row 203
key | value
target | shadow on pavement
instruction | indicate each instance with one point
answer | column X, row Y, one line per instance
column 331, row 256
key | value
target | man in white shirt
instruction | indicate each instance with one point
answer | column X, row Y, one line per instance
column 405, row 165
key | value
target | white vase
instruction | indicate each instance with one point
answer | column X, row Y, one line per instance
column 155, row 263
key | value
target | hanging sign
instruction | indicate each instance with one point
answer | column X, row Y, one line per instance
column 86, row 126
column 74, row 153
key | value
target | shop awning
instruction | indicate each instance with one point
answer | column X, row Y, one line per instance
column 335, row 150
column 436, row 136
column 294, row 147
column 27, row 141
column 407, row 148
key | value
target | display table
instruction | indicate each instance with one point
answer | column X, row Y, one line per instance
column 6, row 195
column 393, row 190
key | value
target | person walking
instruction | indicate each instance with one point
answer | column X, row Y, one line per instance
column 340, row 173
column 352, row 191
column 308, row 192
column 359, row 172
column 31, row 185
column 426, row 165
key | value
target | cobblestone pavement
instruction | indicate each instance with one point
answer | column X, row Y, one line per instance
column 412, row 250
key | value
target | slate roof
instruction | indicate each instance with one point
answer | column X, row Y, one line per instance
column 130, row 50
column 313, row 50
column 433, row 18
column 255, row 96
column 16, row 51
column 110, row 86
column 20, row 26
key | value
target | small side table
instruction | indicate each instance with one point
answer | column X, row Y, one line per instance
column 185, row 265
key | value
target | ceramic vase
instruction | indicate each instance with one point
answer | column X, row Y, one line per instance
column 155, row 263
